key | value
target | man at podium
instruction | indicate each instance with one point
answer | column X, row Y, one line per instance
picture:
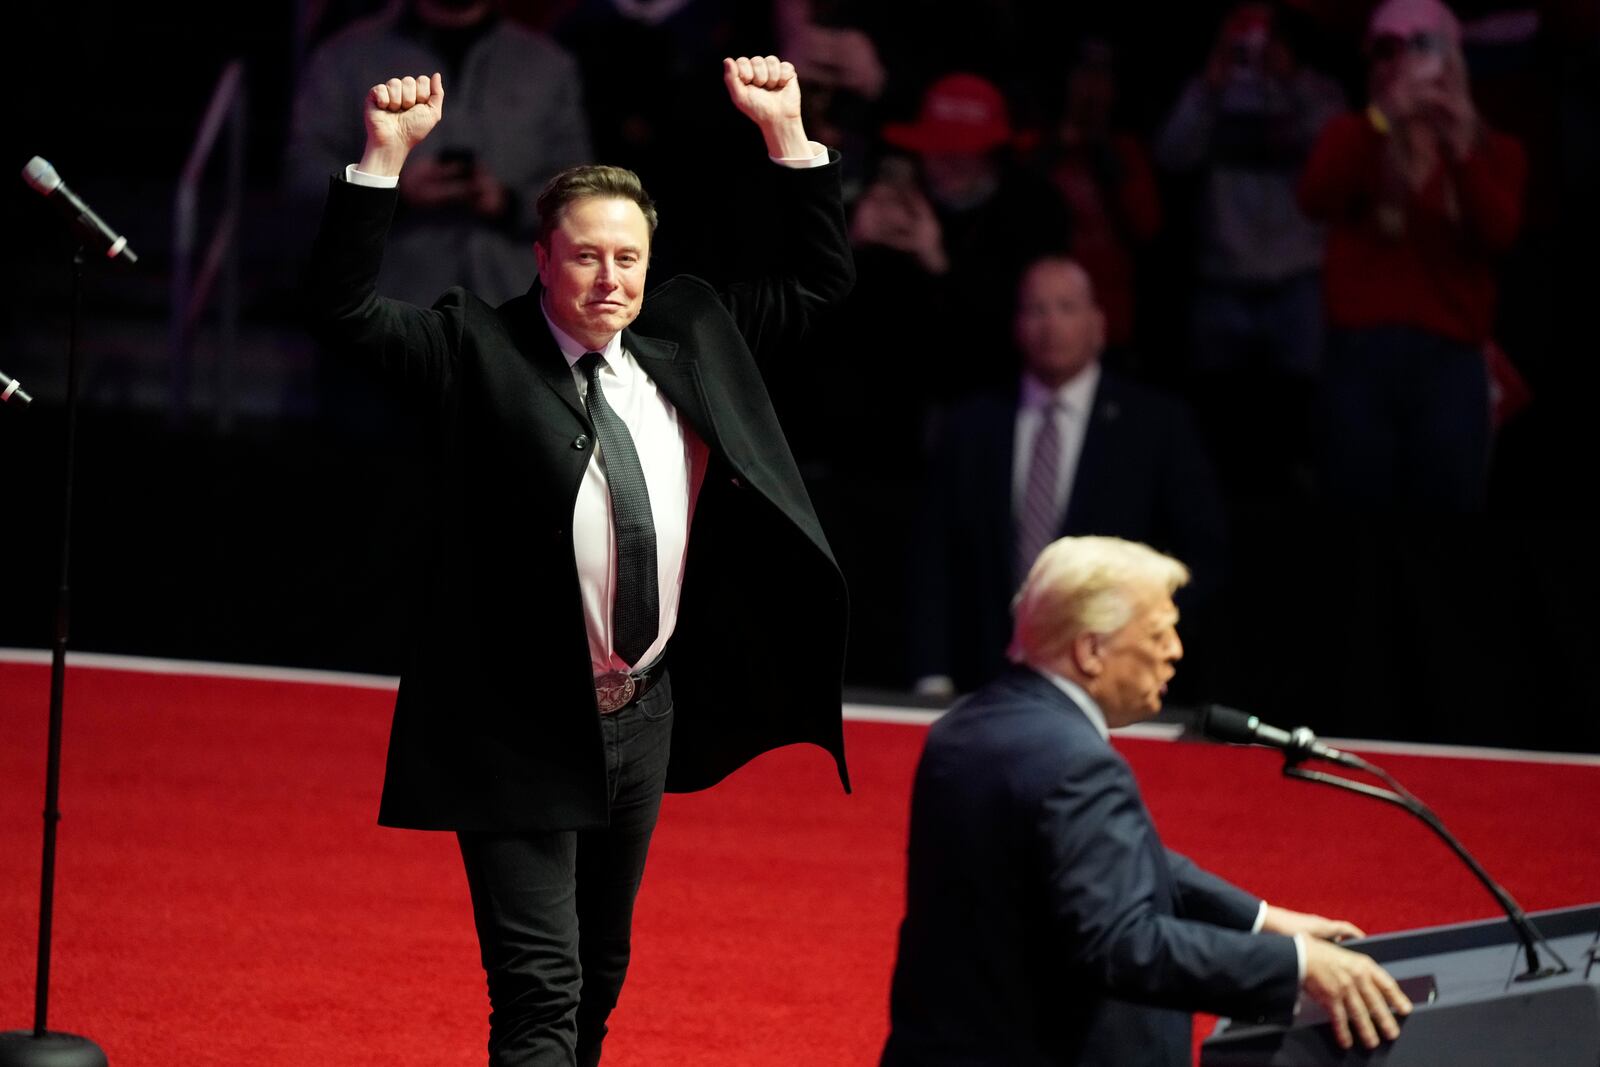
column 1045, row 923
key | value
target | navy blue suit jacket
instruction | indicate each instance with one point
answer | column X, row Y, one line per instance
column 1045, row 922
column 1143, row 475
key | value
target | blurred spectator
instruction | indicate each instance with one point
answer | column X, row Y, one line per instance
column 946, row 235
column 844, row 76
column 467, row 212
column 1245, row 125
column 675, row 47
column 1420, row 196
column 939, row 233
column 1103, row 174
column 1072, row 448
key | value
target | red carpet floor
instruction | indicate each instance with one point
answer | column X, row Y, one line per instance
column 224, row 896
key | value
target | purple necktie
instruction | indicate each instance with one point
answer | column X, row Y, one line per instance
column 1040, row 517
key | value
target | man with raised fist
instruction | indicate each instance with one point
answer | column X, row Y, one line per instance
column 610, row 494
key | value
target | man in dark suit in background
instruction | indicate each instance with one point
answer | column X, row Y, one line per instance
column 581, row 432
column 1045, row 923
column 1072, row 448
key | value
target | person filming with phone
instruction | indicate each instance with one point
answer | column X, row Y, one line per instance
column 468, row 212
column 1421, row 196
column 1242, row 130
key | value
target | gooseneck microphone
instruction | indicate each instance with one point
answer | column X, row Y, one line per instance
column 44, row 179
column 1222, row 723
column 1229, row 724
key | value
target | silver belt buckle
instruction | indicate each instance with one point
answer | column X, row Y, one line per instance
column 613, row 690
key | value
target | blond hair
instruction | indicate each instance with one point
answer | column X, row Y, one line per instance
column 1085, row 585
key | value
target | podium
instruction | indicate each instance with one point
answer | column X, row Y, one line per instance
column 1478, row 1014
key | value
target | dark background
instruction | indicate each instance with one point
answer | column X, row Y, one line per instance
column 285, row 536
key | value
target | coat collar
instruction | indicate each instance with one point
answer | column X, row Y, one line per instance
column 677, row 378
column 531, row 335
column 1050, row 689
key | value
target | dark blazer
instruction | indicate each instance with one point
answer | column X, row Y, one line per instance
column 495, row 726
column 1143, row 475
column 1045, row 923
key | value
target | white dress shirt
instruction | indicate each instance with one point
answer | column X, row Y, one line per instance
column 673, row 458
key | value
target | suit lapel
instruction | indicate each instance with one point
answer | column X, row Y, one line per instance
column 677, row 379
column 532, row 337
column 997, row 458
column 1094, row 461
column 999, row 452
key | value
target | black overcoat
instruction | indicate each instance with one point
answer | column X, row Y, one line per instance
column 495, row 726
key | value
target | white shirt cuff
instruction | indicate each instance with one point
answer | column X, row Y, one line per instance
column 817, row 158
column 375, row 181
column 1261, row 918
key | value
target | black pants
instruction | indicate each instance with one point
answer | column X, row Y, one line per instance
column 554, row 911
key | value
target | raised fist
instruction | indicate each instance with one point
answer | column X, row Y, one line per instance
column 765, row 88
column 400, row 113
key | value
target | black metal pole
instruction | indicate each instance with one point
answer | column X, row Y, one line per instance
column 58, row 670
column 20, row 1048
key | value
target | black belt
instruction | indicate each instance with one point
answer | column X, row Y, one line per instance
column 615, row 690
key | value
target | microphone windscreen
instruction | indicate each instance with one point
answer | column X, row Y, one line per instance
column 1228, row 724
column 41, row 175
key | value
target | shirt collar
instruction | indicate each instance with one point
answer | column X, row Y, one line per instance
column 1075, row 394
column 1080, row 697
column 574, row 349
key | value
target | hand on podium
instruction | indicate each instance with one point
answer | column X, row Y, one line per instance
column 1284, row 921
column 1355, row 991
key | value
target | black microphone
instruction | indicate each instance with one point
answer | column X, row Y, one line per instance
column 43, row 177
column 1230, row 724
column 11, row 389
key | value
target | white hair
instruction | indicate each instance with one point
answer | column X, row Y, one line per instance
column 1085, row 585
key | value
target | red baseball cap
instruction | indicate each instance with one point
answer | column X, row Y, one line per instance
column 960, row 113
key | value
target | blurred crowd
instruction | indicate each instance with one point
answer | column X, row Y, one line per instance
column 1149, row 271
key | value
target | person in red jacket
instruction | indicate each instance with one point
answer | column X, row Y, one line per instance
column 1420, row 196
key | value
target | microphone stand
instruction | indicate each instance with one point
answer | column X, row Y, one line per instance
column 1399, row 796
column 39, row 1047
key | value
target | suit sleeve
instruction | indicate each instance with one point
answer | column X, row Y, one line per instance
column 814, row 269
column 412, row 346
column 1105, row 873
column 1204, row 897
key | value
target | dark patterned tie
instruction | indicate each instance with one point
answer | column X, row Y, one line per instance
column 1036, row 523
column 635, row 610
